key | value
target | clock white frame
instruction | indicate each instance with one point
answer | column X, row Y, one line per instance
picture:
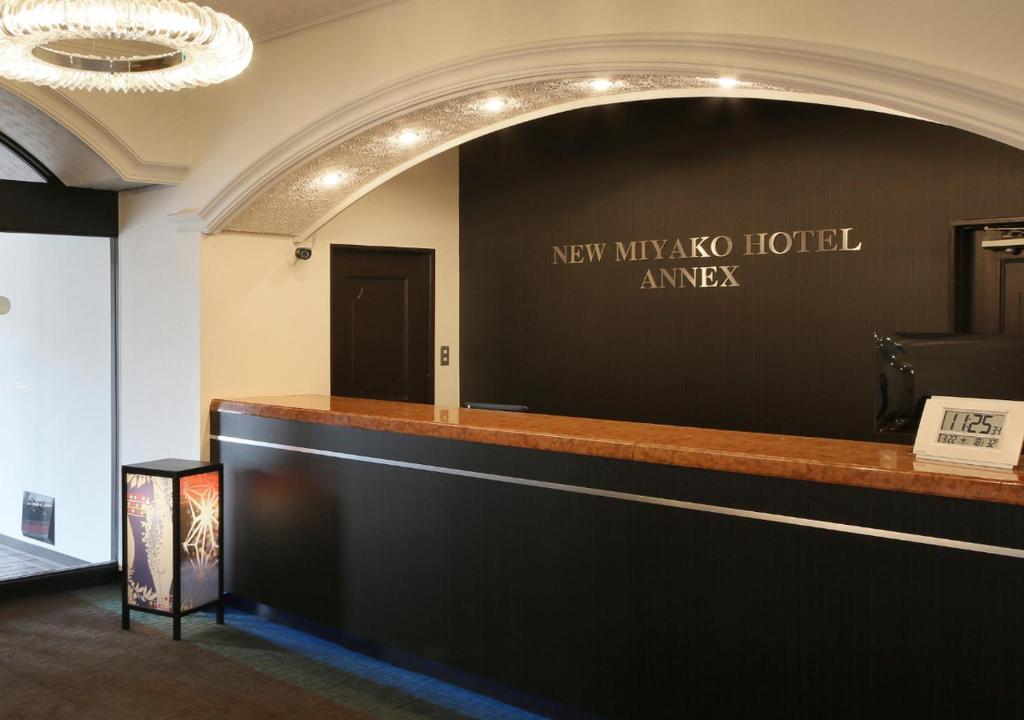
column 1006, row 456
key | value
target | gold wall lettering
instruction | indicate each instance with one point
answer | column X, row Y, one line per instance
column 699, row 247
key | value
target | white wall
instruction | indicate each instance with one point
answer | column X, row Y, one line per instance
column 266, row 316
column 55, row 388
column 158, row 309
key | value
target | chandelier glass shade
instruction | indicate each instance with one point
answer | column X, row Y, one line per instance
column 120, row 45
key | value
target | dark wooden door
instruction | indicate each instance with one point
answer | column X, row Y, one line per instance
column 382, row 323
column 992, row 299
column 1013, row 295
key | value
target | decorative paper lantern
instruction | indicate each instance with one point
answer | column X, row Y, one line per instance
column 171, row 536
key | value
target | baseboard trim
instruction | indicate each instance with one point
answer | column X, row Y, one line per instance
column 40, row 552
column 60, row 581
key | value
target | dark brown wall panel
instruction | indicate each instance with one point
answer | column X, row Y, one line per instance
column 787, row 351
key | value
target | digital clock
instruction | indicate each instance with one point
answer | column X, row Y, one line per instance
column 971, row 428
column 974, row 431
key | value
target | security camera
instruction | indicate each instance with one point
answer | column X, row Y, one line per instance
column 303, row 253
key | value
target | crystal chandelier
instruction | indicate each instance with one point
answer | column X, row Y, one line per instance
column 119, row 45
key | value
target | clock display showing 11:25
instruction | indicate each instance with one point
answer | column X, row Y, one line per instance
column 971, row 428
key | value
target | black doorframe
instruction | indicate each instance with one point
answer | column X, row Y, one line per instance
column 959, row 231
column 430, row 254
column 51, row 208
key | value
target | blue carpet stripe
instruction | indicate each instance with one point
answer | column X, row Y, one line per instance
column 451, row 697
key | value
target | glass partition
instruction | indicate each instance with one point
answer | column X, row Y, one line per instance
column 56, row 404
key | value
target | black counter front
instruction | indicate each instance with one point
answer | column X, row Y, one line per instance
column 579, row 584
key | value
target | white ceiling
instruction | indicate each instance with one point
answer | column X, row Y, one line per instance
column 75, row 163
column 266, row 19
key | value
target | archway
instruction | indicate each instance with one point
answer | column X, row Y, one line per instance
column 297, row 187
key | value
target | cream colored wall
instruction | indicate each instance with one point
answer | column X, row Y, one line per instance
column 265, row 315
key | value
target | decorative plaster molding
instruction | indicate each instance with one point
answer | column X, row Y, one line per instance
column 100, row 138
column 883, row 82
column 299, row 205
column 187, row 221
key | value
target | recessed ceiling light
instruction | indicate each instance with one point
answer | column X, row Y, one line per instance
column 408, row 137
column 601, row 84
column 494, row 104
column 727, row 83
column 333, row 179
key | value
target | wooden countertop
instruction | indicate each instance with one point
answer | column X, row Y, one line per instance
column 840, row 462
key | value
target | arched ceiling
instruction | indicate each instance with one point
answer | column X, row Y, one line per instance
column 251, row 155
column 15, row 164
column 310, row 195
column 356, row 148
column 55, row 147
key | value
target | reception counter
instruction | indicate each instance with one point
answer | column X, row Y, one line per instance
column 587, row 567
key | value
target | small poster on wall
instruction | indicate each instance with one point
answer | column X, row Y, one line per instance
column 37, row 517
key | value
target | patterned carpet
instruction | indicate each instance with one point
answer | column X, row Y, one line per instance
column 65, row 656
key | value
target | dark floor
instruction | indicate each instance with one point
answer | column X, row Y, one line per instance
column 15, row 563
column 65, row 656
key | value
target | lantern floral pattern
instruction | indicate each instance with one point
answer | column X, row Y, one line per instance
column 150, row 558
column 200, row 533
column 150, row 537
